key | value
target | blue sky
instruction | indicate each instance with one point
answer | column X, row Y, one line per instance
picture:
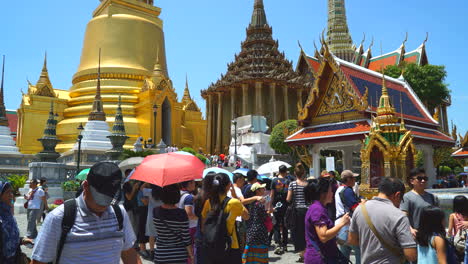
column 203, row 36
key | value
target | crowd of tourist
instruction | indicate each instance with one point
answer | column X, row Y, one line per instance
column 238, row 220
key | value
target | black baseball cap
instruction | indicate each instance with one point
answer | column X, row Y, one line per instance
column 283, row 168
column 104, row 180
column 251, row 175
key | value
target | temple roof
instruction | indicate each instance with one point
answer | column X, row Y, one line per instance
column 259, row 58
column 362, row 79
column 3, row 117
column 44, row 86
column 356, row 130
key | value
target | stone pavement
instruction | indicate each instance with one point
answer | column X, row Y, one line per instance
column 286, row 258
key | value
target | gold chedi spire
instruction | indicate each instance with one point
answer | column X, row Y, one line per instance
column 385, row 110
column 338, row 38
column 44, row 85
column 258, row 16
column 3, row 118
column 187, row 96
column 97, row 113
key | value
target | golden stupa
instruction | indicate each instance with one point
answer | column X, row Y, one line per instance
column 133, row 65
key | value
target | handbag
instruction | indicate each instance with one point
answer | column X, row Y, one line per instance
column 459, row 241
column 26, row 204
column 21, row 258
column 290, row 216
column 268, row 223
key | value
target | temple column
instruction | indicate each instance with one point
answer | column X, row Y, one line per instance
column 316, row 161
column 233, row 103
column 258, row 99
column 347, row 158
column 245, row 94
column 286, row 102
column 299, row 99
column 428, row 152
column 209, row 115
column 273, row 103
column 220, row 124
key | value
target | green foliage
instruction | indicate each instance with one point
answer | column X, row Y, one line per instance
column 189, row 150
column 16, row 181
column 457, row 170
column 419, row 159
column 427, row 81
column 445, row 170
column 279, row 133
column 52, row 207
column 443, row 157
column 71, row 186
column 128, row 153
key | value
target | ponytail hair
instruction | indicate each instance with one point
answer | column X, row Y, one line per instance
column 299, row 170
column 215, row 186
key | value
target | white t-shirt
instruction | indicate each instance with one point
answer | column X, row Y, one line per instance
column 239, row 195
column 36, row 202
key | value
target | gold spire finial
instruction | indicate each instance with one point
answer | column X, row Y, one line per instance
column 3, row 118
column 97, row 112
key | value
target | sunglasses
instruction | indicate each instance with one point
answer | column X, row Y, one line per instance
column 421, row 178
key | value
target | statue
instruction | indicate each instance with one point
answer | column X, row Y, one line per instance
column 138, row 146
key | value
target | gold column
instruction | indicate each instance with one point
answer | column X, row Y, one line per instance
column 273, row 103
column 209, row 116
column 286, row 102
column 233, row 103
column 258, row 99
column 299, row 99
column 245, row 91
column 220, row 123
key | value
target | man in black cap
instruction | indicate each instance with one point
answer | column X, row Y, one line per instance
column 100, row 233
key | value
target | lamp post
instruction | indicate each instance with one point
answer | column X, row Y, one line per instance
column 80, row 137
column 155, row 113
column 234, row 122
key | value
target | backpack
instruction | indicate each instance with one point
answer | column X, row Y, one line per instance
column 216, row 239
column 69, row 220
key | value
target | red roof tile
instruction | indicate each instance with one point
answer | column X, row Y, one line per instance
column 331, row 130
column 411, row 59
column 313, row 63
column 378, row 64
column 12, row 122
column 461, row 153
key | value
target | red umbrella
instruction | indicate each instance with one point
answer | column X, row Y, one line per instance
column 169, row 168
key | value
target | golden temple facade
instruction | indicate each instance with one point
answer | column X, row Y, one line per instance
column 133, row 66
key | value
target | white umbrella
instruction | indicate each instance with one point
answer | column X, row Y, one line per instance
column 272, row 167
column 130, row 163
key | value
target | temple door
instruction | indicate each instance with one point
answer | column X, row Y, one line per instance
column 376, row 167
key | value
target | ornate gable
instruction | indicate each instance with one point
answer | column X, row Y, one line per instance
column 332, row 96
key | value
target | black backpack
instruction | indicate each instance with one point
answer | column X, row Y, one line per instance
column 216, row 239
column 69, row 220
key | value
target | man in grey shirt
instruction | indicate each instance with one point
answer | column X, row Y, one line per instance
column 390, row 223
column 417, row 199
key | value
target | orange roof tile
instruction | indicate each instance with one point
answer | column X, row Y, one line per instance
column 378, row 64
column 313, row 63
column 331, row 130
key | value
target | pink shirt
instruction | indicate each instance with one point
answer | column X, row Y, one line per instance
column 458, row 219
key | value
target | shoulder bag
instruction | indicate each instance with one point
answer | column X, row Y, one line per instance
column 395, row 250
column 290, row 215
column 31, row 196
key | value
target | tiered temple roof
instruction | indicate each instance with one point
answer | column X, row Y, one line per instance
column 462, row 152
column 259, row 58
column 360, row 90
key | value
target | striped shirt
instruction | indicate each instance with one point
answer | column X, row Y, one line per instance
column 92, row 239
column 173, row 237
column 298, row 195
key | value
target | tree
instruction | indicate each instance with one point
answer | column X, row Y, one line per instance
column 427, row 81
column 279, row 134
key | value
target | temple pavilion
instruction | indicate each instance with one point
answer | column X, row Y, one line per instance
column 259, row 82
column 377, row 122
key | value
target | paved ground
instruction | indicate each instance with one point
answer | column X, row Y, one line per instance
column 286, row 258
